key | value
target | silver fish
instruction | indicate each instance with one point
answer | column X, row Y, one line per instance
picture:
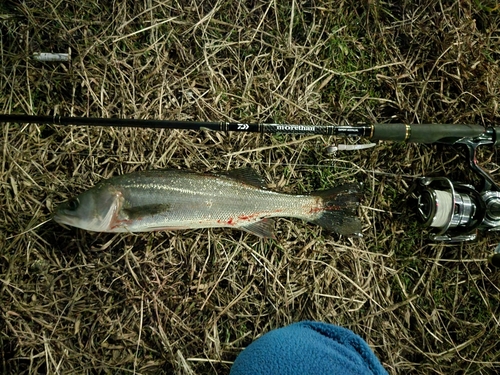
column 174, row 199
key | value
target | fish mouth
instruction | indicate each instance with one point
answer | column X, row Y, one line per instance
column 66, row 221
column 95, row 224
column 59, row 219
column 62, row 219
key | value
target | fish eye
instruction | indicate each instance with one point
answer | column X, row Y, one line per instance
column 73, row 204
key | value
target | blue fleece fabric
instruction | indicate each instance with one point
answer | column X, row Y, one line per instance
column 308, row 348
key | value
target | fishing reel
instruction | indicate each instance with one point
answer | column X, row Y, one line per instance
column 455, row 212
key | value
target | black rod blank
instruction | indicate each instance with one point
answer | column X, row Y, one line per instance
column 360, row 131
column 418, row 133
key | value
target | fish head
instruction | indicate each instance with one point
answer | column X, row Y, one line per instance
column 94, row 210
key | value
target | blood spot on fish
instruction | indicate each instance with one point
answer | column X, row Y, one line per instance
column 230, row 221
column 315, row 210
column 256, row 215
column 114, row 224
column 248, row 217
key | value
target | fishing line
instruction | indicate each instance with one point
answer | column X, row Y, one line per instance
column 444, row 206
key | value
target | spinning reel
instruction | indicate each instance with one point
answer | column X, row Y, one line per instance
column 455, row 212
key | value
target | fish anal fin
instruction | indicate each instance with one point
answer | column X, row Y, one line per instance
column 248, row 176
column 139, row 212
column 262, row 228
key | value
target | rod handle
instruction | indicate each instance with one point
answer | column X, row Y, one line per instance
column 426, row 133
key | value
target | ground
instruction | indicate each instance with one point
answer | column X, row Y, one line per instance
column 188, row 302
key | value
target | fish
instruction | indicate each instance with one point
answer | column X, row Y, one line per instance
column 158, row 200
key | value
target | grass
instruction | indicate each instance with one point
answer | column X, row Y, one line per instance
column 188, row 302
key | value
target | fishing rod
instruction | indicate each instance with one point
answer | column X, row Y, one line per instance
column 453, row 211
column 417, row 133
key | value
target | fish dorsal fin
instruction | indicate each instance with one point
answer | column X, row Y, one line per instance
column 248, row 176
column 263, row 228
column 135, row 213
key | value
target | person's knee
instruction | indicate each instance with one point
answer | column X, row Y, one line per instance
column 308, row 348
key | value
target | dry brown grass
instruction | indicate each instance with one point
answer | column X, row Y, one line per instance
column 188, row 302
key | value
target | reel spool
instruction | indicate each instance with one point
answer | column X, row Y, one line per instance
column 455, row 211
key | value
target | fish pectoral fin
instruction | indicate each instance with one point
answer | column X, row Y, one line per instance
column 139, row 212
column 263, row 228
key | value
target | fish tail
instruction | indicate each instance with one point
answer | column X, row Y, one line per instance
column 338, row 213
